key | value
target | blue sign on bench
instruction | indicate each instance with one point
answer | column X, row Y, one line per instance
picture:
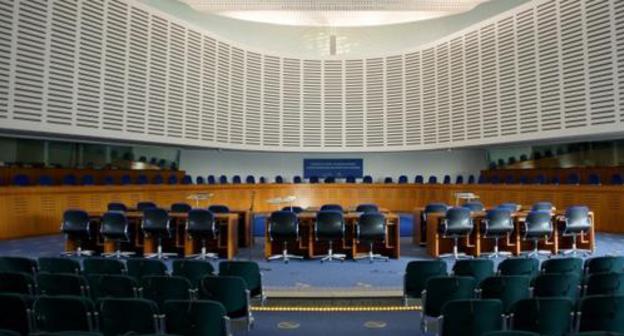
column 338, row 168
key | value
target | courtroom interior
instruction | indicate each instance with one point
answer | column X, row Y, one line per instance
column 309, row 167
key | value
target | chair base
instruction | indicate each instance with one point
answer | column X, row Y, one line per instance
column 496, row 255
column 77, row 253
column 575, row 252
column 331, row 256
column 371, row 257
column 203, row 255
column 284, row 256
column 118, row 254
column 536, row 253
column 456, row 256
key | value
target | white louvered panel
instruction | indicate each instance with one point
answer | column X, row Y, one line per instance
column 7, row 9
column 458, row 88
column 332, row 104
column 573, row 63
column 253, row 99
column 28, row 104
column 600, row 58
column 159, row 34
column 395, row 122
column 193, row 85
column 374, row 102
column 175, row 81
column 548, row 46
column 443, row 93
column 489, row 82
column 473, row 85
column 271, row 102
column 63, row 48
column 413, row 108
column 618, row 16
column 114, row 93
column 137, row 88
column 237, row 98
column 312, row 101
column 507, row 100
column 354, row 103
column 291, row 105
column 223, row 92
column 89, row 93
column 208, row 93
column 527, row 77
column 429, row 96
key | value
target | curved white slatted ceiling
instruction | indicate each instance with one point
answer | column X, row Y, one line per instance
column 111, row 69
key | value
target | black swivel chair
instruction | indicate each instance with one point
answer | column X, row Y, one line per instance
column 156, row 224
column 114, row 227
column 456, row 224
column 219, row 209
column 201, row 224
column 284, row 227
column 429, row 209
column 76, row 226
column 332, row 207
column 371, row 229
column 295, row 209
column 115, row 206
column 180, row 208
column 330, row 227
column 537, row 225
column 142, row 206
column 365, row 208
column 497, row 224
column 576, row 221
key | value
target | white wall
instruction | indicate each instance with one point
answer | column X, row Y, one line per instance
column 379, row 165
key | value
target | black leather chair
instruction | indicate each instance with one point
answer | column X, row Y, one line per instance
column 367, row 208
column 236, row 179
column 367, row 179
column 76, row 226
column 429, row 209
column 332, row 207
column 114, row 206
column 219, row 209
column 497, row 224
column 284, row 227
column 180, row 208
column 295, row 209
column 537, row 226
column 456, row 224
column 156, row 225
column 142, row 206
column 330, row 227
column 114, row 227
column 297, row 179
column 201, row 225
column 371, row 229
column 576, row 221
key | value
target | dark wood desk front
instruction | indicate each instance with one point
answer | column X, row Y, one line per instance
column 226, row 245
column 308, row 247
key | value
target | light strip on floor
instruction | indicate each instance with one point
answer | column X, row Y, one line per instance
column 335, row 309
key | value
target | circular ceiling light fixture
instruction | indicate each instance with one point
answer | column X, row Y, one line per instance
column 333, row 13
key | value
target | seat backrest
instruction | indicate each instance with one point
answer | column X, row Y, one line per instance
column 193, row 270
column 577, row 219
column 459, row 179
column 18, row 264
column 219, row 209
column 112, row 286
column 403, row 179
column 295, row 209
column 507, row 288
column 62, row 313
column 330, row 179
column 279, row 179
column 457, row 221
column 87, row 180
column 69, row 179
column 474, row 206
column 602, row 312
column 198, row 317
column 180, row 208
column 114, row 225
column 542, row 206
column 155, row 219
column 223, row 179
column 498, row 221
column 283, row 225
column 557, row 285
column 236, row 179
column 482, row 179
column 479, row 269
column 563, row 265
column 187, row 179
column 418, row 272
column 103, row 266
column 367, row 208
column 538, row 224
column 45, row 180
column 114, row 206
column 125, row 316
column 433, row 180
column 371, row 226
column 21, row 180
column 61, row 284
column 593, row 179
column 125, row 180
column 510, row 207
column 200, row 180
column 212, row 179
column 447, row 179
column 510, row 179
column 142, row 179
column 142, row 206
column 605, row 284
column 17, row 283
column 418, row 179
column 519, row 266
column 172, row 179
column 388, row 180
column 573, row 178
column 546, row 316
column 617, row 179
column 75, row 221
column 436, row 208
column 367, row 179
column 604, row 264
column 201, row 221
column 330, row 224
column 471, row 179
column 230, row 291
column 250, row 179
column 140, row 268
column 248, row 270
column 58, row 265
column 14, row 313
column 297, row 179
column 440, row 290
column 350, row 179
column 331, row 207
column 159, row 288
column 471, row 317
column 157, row 179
